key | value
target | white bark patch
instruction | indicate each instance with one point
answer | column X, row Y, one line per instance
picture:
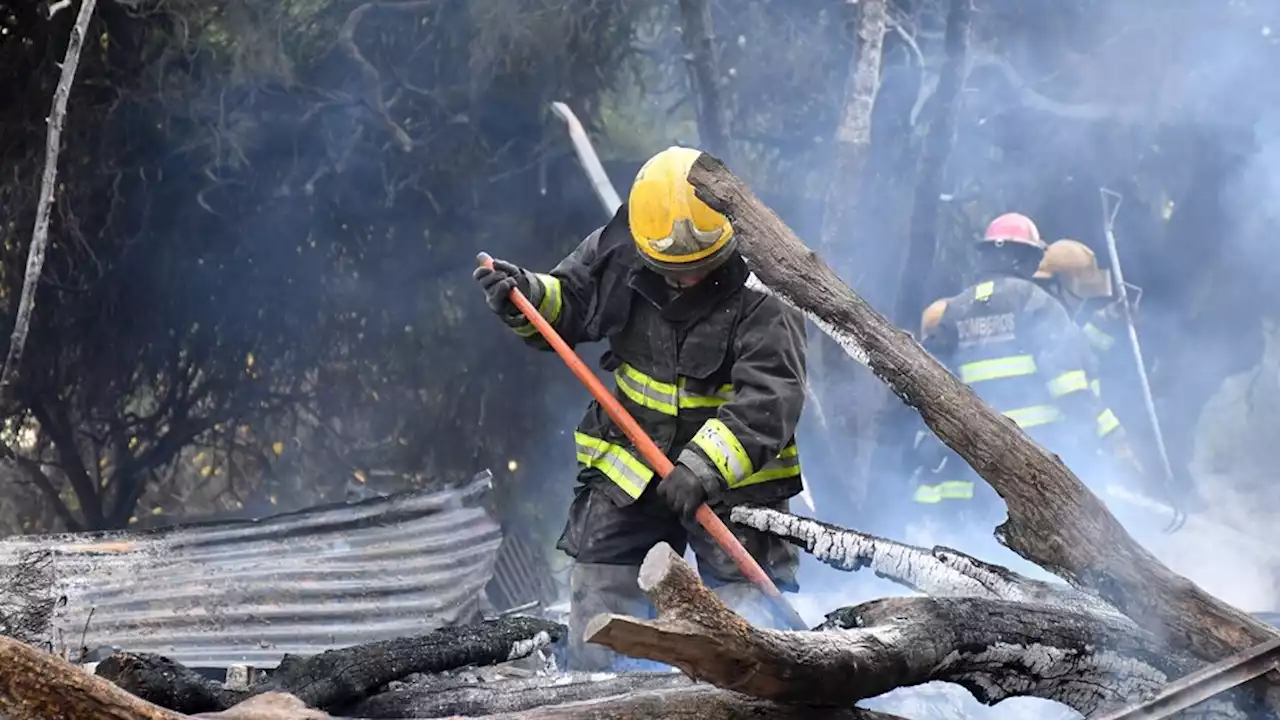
column 525, row 648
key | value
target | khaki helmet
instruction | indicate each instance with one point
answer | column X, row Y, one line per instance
column 1075, row 267
column 932, row 317
column 674, row 231
column 1013, row 228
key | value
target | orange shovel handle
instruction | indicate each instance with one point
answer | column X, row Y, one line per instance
column 651, row 453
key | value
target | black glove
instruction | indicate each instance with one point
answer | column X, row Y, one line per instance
column 682, row 490
column 497, row 284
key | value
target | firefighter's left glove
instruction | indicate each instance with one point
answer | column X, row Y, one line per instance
column 497, row 283
column 683, row 491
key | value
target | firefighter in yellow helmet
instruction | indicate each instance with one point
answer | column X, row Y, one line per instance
column 713, row 371
column 1016, row 346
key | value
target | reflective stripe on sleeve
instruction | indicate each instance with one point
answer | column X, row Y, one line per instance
column 617, row 464
column 949, row 490
column 549, row 306
column 997, row 368
column 1107, row 423
column 982, row 291
column 1098, row 338
column 1068, row 382
column 722, row 447
column 786, row 465
column 1032, row 416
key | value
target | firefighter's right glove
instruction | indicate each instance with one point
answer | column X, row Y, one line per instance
column 497, row 283
column 683, row 491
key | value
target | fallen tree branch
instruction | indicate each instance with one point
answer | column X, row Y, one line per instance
column 938, row 571
column 338, row 677
column 995, row 649
column 44, row 206
column 1054, row 521
column 432, row 697
column 699, row 702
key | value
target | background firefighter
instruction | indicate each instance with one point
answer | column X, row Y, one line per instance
column 712, row 371
column 1017, row 347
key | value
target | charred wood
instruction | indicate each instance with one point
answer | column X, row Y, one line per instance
column 337, row 677
column 995, row 649
column 441, row 696
column 938, row 571
column 1054, row 521
column 699, row 702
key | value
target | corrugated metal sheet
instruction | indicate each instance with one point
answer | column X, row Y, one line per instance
column 222, row 593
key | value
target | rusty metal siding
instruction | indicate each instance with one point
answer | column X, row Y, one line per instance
column 248, row 592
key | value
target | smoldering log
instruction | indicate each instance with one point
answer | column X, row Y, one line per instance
column 432, row 697
column 338, row 677
column 699, row 702
column 938, row 571
column 1054, row 521
column 996, row 649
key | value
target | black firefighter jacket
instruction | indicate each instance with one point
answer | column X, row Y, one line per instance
column 715, row 374
column 1017, row 347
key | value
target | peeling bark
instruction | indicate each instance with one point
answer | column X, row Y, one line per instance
column 337, row 677
column 1054, row 521
column 700, row 702
column 994, row 648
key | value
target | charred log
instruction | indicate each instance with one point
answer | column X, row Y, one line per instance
column 938, row 571
column 1054, row 521
column 441, row 696
column 337, row 677
column 699, row 702
column 994, row 648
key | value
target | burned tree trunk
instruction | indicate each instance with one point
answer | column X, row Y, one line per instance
column 1054, row 521
column 337, row 677
column 995, row 649
column 704, row 70
column 922, row 243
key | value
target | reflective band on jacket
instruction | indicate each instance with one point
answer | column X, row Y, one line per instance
column 949, row 490
column 614, row 462
column 1096, row 387
column 1032, row 416
column 1098, row 338
column 787, row 465
column 722, row 447
column 1068, row 382
column 997, row 368
column 665, row 397
column 1107, row 422
column 983, row 291
column 548, row 307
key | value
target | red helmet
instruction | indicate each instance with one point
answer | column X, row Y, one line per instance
column 1014, row 228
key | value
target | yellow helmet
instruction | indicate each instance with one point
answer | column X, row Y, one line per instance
column 931, row 317
column 1076, row 267
column 674, row 231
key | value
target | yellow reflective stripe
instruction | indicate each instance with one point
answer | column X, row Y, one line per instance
column 645, row 391
column 688, row 399
column 997, row 368
column 549, row 306
column 1068, row 382
column 1107, row 422
column 1096, row 387
column 1097, row 337
column 786, row 465
column 723, row 448
column 614, row 462
column 982, row 291
column 949, row 490
column 1033, row 416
